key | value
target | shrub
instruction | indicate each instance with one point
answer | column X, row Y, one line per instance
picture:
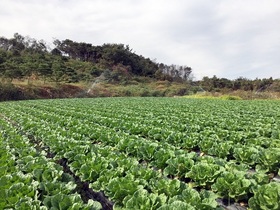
column 228, row 97
column 9, row 92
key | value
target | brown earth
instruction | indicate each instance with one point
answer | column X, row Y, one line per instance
column 23, row 92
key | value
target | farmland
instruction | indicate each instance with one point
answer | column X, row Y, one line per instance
column 140, row 153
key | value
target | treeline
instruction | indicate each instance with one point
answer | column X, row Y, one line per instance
column 216, row 84
column 69, row 61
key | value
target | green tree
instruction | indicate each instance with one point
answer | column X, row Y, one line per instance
column 243, row 84
column 58, row 71
column 17, row 44
column 207, row 84
column 45, row 70
column 3, row 56
column 71, row 75
column 11, row 70
column 29, row 65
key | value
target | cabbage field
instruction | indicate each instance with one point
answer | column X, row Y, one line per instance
column 140, row 153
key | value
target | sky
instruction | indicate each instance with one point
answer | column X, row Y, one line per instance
column 226, row 38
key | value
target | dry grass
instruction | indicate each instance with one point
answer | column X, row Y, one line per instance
column 237, row 95
column 150, row 88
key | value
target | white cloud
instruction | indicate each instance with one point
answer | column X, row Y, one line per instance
column 225, row 38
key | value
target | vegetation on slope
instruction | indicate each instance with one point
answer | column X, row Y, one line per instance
column 30, row 69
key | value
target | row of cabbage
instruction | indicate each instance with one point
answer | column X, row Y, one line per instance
column 122, row 178
column 136, row 166
column 30, row 180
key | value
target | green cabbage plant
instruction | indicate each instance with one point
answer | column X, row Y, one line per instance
column 266, row 197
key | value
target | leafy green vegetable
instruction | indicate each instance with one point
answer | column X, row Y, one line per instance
column 92, row 169
column 118, row 188
column 204, row 200
column 177, row 205
column 221, row 149
column 29, row 203
column 161, row 156
column 269, row 160
column 246, row 154
column 266, row 197
column 69, row 202
column 257, row 179
column 142, row 199
column 167, row 186
column 208, row 200
column 232, row 185
column 19, row 190
column 178, row 166
column 203, row 173
column 147, row 151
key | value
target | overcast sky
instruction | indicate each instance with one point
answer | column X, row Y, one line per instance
column 226, row 38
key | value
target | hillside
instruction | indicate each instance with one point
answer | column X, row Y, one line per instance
column 31, row 69
column 69, row 61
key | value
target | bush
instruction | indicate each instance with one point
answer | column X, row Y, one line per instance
column 9, row 92
column 228, row 97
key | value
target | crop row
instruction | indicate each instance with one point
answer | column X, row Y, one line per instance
column 120, row 176
column 138, row 158
column 255, row 150
column 30, row 179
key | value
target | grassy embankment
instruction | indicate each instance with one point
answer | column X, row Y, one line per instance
column 138, row 87
column 236, row 95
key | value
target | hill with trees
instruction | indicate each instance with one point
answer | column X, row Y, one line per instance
column 65, row 62
column 69, row 61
